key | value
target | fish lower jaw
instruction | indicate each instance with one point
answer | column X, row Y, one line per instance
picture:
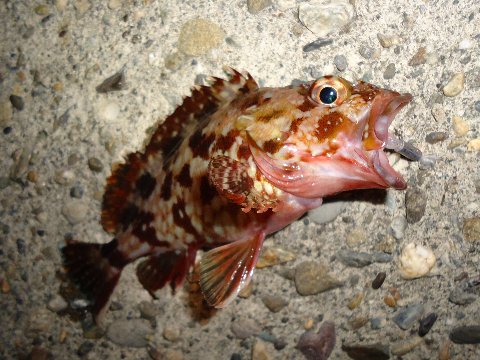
column 383, row 168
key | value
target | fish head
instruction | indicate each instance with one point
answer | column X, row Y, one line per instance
column 326, row 136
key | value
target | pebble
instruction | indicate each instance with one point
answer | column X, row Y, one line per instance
column 377, row 323
column 147, row 310
column 455, row 85
column 327, row 212
column 114, row 4
column 318, row 346
column 75, row 211
column 408, row 315
column 354, row 258
column 323, row 17
column 389, row 72
column 415, row 261
column 356, row 237
column 64, row 177
column 236, row 356
column 375, row 351
column 271, row 256
column 108, row 110
column 477, row 105
column 171, row 333
column 317, row 44
column 390, row 301
column 260, row 351
column 465, row 44
column 57, row 304
column 116, row 82
column 95, row 164
column 426, row 324
column 469, row 334
column 356, row 301
column 387, row 41
column 438, row 113
column 436, row 136
column 38, row 353
column 6, row 113
column 131, row 332
column 17, row 102
column 460, row 126
column 84, row 348
column 82, row 6
column 456, row 143
column 471, row 229
column 312, row 278
column 416, row 203
column 473, row 145
column 21, row 247
column 340, row 62
column 284, row 5
column 246, row 291
column 398, row 226
column 405, row 346
column 378, row 281
column 244, row 328
column 460, row 297
column 255, row 6
column 197, row 36
column 419, row 58
column 357, row 321
column 76, row 191
column 274, row 303
column 366, row 52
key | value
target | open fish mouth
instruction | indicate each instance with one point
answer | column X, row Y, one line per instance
column 384, row 109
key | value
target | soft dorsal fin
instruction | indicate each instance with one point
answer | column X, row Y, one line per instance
column 203, row 101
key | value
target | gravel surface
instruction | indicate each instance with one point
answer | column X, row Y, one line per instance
column 81, row 84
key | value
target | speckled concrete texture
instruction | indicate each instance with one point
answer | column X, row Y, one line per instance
column 61, row 134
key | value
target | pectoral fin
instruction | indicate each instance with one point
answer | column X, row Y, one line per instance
column 225, row 270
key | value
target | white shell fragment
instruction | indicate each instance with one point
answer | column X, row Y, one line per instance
column 323, row 17
column 415, row 261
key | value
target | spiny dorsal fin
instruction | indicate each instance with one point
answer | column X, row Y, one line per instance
column 203, row 101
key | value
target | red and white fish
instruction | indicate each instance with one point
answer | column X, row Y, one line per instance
column 231, row 165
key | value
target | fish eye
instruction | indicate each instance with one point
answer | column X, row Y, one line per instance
column 328, row 95
column 330, row 91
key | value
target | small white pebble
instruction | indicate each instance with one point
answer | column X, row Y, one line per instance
column 460, row 126
column 465, row 44
column 416, row 261
column 473, row 145
column 455, row 85
column 108, row 110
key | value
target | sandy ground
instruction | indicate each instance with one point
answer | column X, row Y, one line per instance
column 60, row 137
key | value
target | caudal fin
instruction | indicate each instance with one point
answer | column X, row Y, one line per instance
column 95, row 268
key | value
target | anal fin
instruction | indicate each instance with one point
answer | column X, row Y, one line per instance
column 168, row 267
column 225, row 270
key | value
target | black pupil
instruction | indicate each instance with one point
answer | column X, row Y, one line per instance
column 328, row 95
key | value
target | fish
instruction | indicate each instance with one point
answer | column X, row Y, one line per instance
column 232, row 164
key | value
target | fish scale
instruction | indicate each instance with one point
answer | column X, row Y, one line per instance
column 232, row 164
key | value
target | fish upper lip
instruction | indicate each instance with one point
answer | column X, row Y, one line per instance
column 384, row 109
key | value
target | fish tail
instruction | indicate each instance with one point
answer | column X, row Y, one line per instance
column 95, row 268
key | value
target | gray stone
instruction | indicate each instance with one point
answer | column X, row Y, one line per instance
column 466, row 334
column 57, row 303
column 274, row 303
column 407, row 316
column 130, row 333
column 354, row 258
column 95, row 164
column 398, row 226
column 375, row 351
column 416, row 203
column 244, row 328
column 323, row 18
column 17, row 102
column 312, row 278
column 436, row 136
column 84, row 348
column 389, row 72
column 327, row 212
column 74, row 211
column 366, row 52
column 377, row 323
column 460, row 297
column 340, row 62
column 317, row 44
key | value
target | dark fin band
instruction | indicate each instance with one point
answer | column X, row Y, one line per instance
column 169, row 267
column 95, row 268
